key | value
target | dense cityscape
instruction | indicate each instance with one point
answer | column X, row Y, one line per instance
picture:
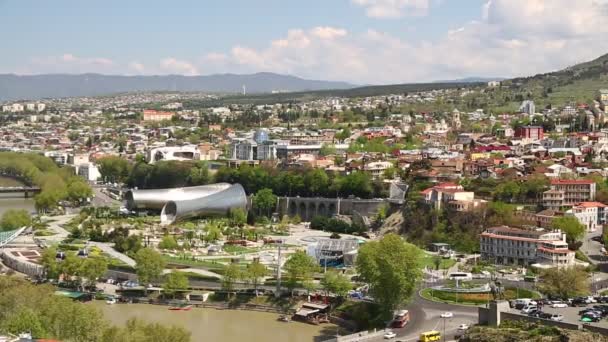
column 152, row 203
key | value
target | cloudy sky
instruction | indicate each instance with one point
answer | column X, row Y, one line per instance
column 359, row 41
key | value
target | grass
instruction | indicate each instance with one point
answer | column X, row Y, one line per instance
column 475, row 298
column 193, row 263
column 236, row 249
column 196, row 276
column 429, row 261
column 581, row 256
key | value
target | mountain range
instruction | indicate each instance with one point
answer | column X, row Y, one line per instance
column 21, row 87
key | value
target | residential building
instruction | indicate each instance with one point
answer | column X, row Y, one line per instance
column 568, row 192
column 88, row 171
column 452, row 196
column 506, row 245
column 59, row 158
column 528, row 107
column 179, row 153
column 376, row 169
column 604, row 95
column 249, row 149
column 529, row 132
column 590, row 214
column 155, row 115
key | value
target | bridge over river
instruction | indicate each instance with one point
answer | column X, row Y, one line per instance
column 20, row 191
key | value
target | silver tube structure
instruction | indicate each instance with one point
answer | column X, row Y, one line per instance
column 217, row 204
column 157, row 198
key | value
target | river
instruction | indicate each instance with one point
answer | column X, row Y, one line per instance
column 13, row 201
column 220, row 325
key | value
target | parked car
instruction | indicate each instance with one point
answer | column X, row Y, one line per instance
column 578, row 302
column 558, row 304
column 557, row 317
column 447, row 314
column 590, row 318
column 589, row 300
column 528, row 308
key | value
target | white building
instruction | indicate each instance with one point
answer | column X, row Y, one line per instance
column 376, row 169
column 528, row 107
column 506, row 245
column 40, row 107
column 590, row 214
column 89, row 171
column 30, row 107
column 59, row 158
column 179, row 153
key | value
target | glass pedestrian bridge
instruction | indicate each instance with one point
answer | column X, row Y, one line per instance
column 8, row 236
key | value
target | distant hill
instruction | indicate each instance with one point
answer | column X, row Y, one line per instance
column 15, row 87
column 473, row 80
column 579, row 82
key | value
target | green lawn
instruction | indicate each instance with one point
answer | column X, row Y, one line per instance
column 429, row 261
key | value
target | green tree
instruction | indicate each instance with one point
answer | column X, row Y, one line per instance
column 569, row 225
column 150, row 265
column 168, row 242
column 232, row 273
column 78, row 190
column 264, row 201
column 391, row 267
column 93, row 268
column 139, row 331
column 336, row 283
column 214, row 232
column 174, row 282
column 14, row 219
column 299, row 268
column 49, row 262
column 327, row 150
column 255, row 273
column 316, row 182
column 238, row 217
column 564, row 282
column 113, row 169
column 71, row 267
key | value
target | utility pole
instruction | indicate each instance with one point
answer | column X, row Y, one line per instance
column 277, row 293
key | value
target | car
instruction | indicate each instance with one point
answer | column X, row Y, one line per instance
column 559, row 305
column 557, row 317
column 578, row 302
column 587, row 318
column 590, row 300
column 528, row 309
column 463, row 326
column 447, row 314
column 389, row 335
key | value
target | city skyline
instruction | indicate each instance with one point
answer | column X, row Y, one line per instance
column 356, row 41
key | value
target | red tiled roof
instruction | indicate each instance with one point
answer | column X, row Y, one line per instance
column 572, row 181
column 591, row 205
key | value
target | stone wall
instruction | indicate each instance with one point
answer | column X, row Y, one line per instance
column 507, row 316
column 309, row 207
column 21, row 266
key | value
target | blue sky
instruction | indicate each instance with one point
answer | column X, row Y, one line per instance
column 361, row 41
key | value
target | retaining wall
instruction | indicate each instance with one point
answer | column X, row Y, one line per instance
column 21, row 266
column 507, row 316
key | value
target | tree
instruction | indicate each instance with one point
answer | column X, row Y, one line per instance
column 327, row 150
column 564, row 282
column 213, row 232
column 299, row 268
column 316, row 181
column 49, row 263
column 336, row 283
column 113, row 169
column 175, row 281
column 238, row 217
column 79, row 190
column 140, row 331
column 569, row 225
column 255, row 273
column 15, row 219
column 232, row 273
column 150, row 265
column 168, row 242
column 93, row 268
column 264, row 201
column 71, row 266
column 391, row 267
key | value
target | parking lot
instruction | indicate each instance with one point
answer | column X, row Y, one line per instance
column 570, row 314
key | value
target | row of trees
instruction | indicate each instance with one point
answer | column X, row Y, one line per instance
column 81, row 271
column 56, row 183
column 310, row 182
column 36, row 309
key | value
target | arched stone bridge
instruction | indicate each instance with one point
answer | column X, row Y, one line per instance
column 309, row 207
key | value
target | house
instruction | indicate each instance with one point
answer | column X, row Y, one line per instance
column 451, row 196
column 529, row 132
column 590, row 214
column 568, row 192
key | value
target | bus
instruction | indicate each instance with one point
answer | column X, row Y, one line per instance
column 401, row 319
column 460, row 276
column 430, row 336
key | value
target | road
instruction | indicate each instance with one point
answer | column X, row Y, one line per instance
column 425, row 316
column 108, row 249
column 102, row 200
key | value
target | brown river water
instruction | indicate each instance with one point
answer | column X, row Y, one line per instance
column 221, row 325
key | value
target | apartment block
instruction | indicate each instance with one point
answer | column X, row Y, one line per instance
column 568, row 192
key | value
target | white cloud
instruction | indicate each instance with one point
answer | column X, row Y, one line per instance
column 137, row 67
column 511, row 38
column 70, row 63
column 173, row 65
column 390, row 9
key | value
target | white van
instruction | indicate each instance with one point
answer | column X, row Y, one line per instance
column 522, row 302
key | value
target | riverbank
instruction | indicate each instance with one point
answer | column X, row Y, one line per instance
column 209, row 324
